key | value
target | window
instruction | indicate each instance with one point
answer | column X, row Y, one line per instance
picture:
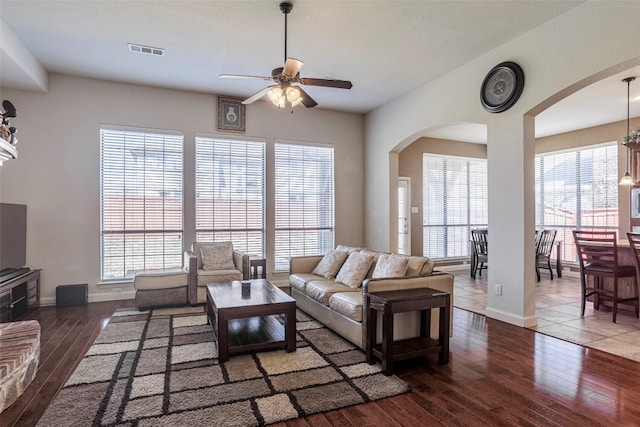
column 141, row 200
column 304, row 201
column 454, row 197
column 577, row 189
column 230, row 206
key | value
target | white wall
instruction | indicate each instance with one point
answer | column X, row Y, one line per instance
column 591, row 39
column 57, row 171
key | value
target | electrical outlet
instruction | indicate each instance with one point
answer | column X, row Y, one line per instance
column 498, row 289
column 116, row 290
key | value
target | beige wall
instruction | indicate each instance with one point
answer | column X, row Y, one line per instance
column 57, row 171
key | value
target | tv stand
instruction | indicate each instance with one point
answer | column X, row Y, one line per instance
column 12, row 273
column 19, row 295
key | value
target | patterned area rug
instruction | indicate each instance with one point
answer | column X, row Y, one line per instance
column 159, row 368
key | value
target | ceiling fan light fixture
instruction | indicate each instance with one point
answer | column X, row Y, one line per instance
column 276, row 97
column 293, row 95
column 283, row 93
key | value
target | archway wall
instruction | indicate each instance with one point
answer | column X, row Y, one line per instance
column 591, row 39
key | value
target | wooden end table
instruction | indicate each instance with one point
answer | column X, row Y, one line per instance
column 252, row 306
column 257, row 263
column 390, row 302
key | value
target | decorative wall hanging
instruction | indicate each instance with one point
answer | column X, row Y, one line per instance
column 502, row 87
column 231, row 114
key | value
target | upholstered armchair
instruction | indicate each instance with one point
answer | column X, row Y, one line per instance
column 209, row 262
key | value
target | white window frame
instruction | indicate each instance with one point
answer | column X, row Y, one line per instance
column 304, row 200
column 567, row 185
column 230, row 191
column 141, row 200
column 447, row 221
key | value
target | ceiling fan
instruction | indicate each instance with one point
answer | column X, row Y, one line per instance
column 283, row 92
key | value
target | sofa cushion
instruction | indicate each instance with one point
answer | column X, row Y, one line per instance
column 321, row 291
column 217, row 276
column 217, row 256
column 354, row 270
column 299, row 280
column 160, row 278
column 330, row 264
column 390, row 266
column 348, row 304
column 374, row 254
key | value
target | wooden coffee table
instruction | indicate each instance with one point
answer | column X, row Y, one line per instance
column 243, row 317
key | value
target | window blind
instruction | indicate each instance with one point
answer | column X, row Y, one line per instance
column 454, row 201
column 141, row 186
column 230, row 187
column 304, row 201
column 577, row 189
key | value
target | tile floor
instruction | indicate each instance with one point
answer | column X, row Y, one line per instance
column 558, row 310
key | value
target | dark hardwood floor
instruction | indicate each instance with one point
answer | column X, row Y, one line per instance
column 498, row 375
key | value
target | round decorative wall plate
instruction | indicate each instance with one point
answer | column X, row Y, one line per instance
column 502, row 87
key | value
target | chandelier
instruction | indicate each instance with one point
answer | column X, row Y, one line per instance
column 629, row 139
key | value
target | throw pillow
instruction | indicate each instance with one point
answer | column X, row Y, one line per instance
column 354, row 270
column 427, row 269
column 217, row 256
column 330, row 264
column 390, row 266
column 414, row 267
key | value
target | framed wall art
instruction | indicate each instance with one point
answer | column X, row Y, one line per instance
column 231, row 114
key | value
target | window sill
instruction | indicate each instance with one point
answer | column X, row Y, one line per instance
column 115, row 283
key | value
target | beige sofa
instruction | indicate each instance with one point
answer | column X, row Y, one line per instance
column 199, row 274
column 340, row 306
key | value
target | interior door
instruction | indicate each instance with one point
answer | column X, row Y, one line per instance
column 404, row 224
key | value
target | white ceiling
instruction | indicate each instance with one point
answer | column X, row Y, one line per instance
column 386, row 48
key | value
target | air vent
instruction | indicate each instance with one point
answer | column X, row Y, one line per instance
column 146, row 49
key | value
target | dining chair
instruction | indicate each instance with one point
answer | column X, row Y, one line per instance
column 480, row 253
column 598, row 256
column 634, row 243
column 544, row 245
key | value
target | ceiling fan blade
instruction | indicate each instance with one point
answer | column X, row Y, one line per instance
column 307, row 101
column 292, row 67
column 240, row 76
column 258, row 95
column 340, row 84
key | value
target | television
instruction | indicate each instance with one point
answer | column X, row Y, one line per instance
column 13, row 238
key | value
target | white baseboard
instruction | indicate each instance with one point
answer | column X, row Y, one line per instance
column 118, row 295
column 525, row 322
column 455, row 267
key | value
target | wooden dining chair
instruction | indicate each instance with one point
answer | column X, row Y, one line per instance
column 480, row 251
column 634, row 243
column 544, row 245
column 598, row 256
